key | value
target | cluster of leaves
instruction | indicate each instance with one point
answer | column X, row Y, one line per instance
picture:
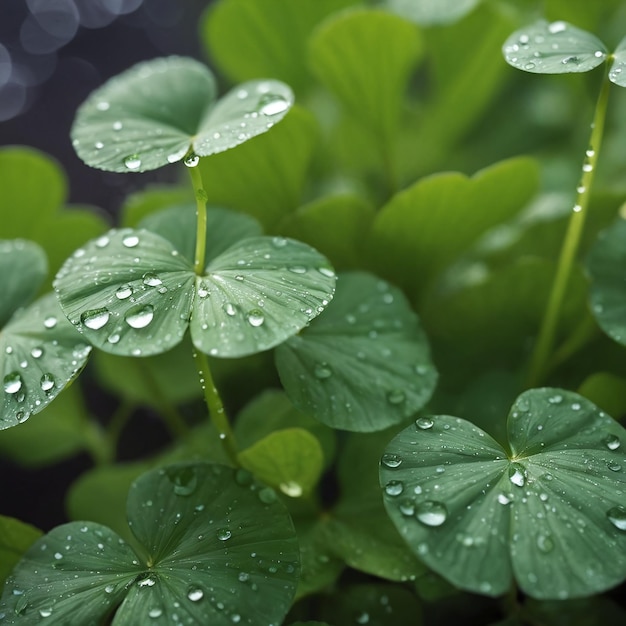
column 335, row 259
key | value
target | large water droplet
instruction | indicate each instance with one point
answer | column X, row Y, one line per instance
column 272, row 104
column 12, row 383
column 151, row 280
column 50, row 322
column 123, row 292
column 612, row 442
column 322, row 371
column 47, row 382
column 424, row 423
column 132, row 162
column 230, row 309
column 517, row 474
column 139, row 317
column 394, row 488
column 256, row 317
column 431, row 513
column 391, row 460
column 130, row 241
column 617, row 517
column 545, row 543
column 223, row 534
column 407, row 507
column 291, row 488
column 185, row 480
column 557, row 27
column 195, row 594
column 155, row 612
column 95, row 319
column 192, row 160
column 47, row 612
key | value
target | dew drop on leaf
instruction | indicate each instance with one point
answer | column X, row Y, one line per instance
column 391, row 460
column 47, row 382
column 130, row 241
column 154, row 613
column 272, row 104
column 617, row 517
column 139, row 317
column 123, row 292
column 394, row 488
column 12, row 383
column 256, row 318
column 407, row 507
column 223, row 534
column 267, row 495
column 612, row 442
column 195, row 594
column 424, row 423
column 95, row 318
column 132, row 162
column 45, row 612
column 151, row 280
column 50, row 322
column 230, row 309
column 517, row 474
column 545, row 543
column 192, row 160
column 185, row 480
column 431, row 513
column 322, row 371
column 291, row 489
column 396, row 396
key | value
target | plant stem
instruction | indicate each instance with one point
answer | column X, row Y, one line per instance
column 201, row 219
column 216, row 408
column 569, row 249
column 118, row 421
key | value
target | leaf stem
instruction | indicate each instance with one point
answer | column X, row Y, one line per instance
column 216, row 408
column 117, row 423
column 201, row 218
column 569, row 249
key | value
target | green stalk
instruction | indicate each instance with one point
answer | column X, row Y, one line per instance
column 201, row 219
column 545, row 341
column 215, row 406
column 211, row 396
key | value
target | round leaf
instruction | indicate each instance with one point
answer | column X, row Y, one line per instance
column 40, row 353
column 553, row 48
column 607, row 295
column 257, row 294
column 552, row 512
column 428, row 12
column 15, row 538
column 364, row 364
column 23, row 267
column 198, row 526
column 157, row 111
column 129, row 292
column 290, row 459
column 617, row 74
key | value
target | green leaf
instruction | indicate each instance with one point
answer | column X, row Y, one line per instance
column 129, row 292
column 257, row 294
column 266, row 176
column 290, row 459
column 429, row 12
column 140, row 204
column 334, row 225
column 157, row 111
column 416, row 235
column 369, row 78
column 617, row 74
column 606, row 391
column 257, row 38
column 23, row 267
column 207, row 525
column 178, row 225
column 15, row 538
column 553, row 48
column 363, row 365
column 272, row 411
column 607, row 295
column 550, row 512
column 40, row 353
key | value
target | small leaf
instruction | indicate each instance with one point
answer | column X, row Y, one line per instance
column 129, row 292
column 290, row 460
column 23, row 267
column 210, row 518
column 607, row 295
column 40, row 353
column 554, row 48
column 550, row 512
column 157, row 111
column 369, row 78
column 139, row 205
column 617, row 74
column 15, row 538
column 257, row 294
column 364, row 364
column 429, row 12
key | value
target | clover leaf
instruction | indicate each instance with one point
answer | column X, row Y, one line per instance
column 214, row 547
column 431, row 12
column 550, row 512
column 40, row 351
column 159, row 111
column 130, row 292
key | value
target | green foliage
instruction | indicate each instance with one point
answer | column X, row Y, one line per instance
column 408, row 244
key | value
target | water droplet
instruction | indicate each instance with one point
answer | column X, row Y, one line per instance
column 394, row 488
column 195, row 594
column 192, row 160
column 391, row 460
column 102, row 242
column 151, row 280
column 230, row 309
column 47, row 612
column 612, row 442
column 50, row 322
column 326, row 271
column 132, row 162
column 114, row 338
column 529, row 66
column 503, row 499
column 140, row 316
column 617, row 517
column 571, row 60
column 103, row 105
column 396, row 396
column 322, row 371
column 98, row 145
column 95, row 319
column 555, row 399
column 545, row 543
column 12, row 383
column 267, row 495
column 431, row 513
column 185, row 480
column 424, row 423
column 47, row 382
column 154, row 613
column 256, row 318
column 130, row 241
column 109, row 589
column 557, row 27
column 407, row 507
column 272, row 104
column 291, row 489
column 575, row 406
column 297, row 269
column 517, row 474
column 614, row 467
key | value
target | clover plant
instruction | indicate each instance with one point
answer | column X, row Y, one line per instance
column 407, row 338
